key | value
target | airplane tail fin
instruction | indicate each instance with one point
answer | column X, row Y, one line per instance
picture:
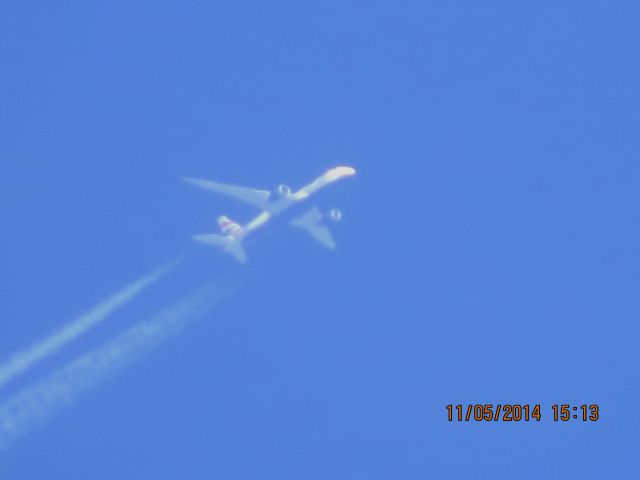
column 227, row 243
column 228, row 226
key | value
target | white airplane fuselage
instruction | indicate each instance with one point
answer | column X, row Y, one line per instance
column 272, row 209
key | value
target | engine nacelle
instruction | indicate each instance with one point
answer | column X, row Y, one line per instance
column 335, row 214
column 284, row 190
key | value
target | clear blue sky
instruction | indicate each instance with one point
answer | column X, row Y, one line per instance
column 488, row 252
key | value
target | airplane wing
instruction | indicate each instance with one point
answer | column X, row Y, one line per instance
column 254, row 197
column 323, row 180
column 310, row 222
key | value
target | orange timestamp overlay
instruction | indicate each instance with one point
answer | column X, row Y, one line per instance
column 515, row 412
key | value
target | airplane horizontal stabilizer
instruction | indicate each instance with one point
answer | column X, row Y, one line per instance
column 228, row 244
column 235, row 248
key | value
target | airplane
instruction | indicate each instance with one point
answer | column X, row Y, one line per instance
column 233, row 233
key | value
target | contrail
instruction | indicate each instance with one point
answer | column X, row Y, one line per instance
column 25, row 359
column 37, row 403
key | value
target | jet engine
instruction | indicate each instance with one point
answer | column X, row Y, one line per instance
column 284, row 190
column 335, row 214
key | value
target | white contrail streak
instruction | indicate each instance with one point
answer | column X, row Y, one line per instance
column 25, row 359
column 38, row 402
